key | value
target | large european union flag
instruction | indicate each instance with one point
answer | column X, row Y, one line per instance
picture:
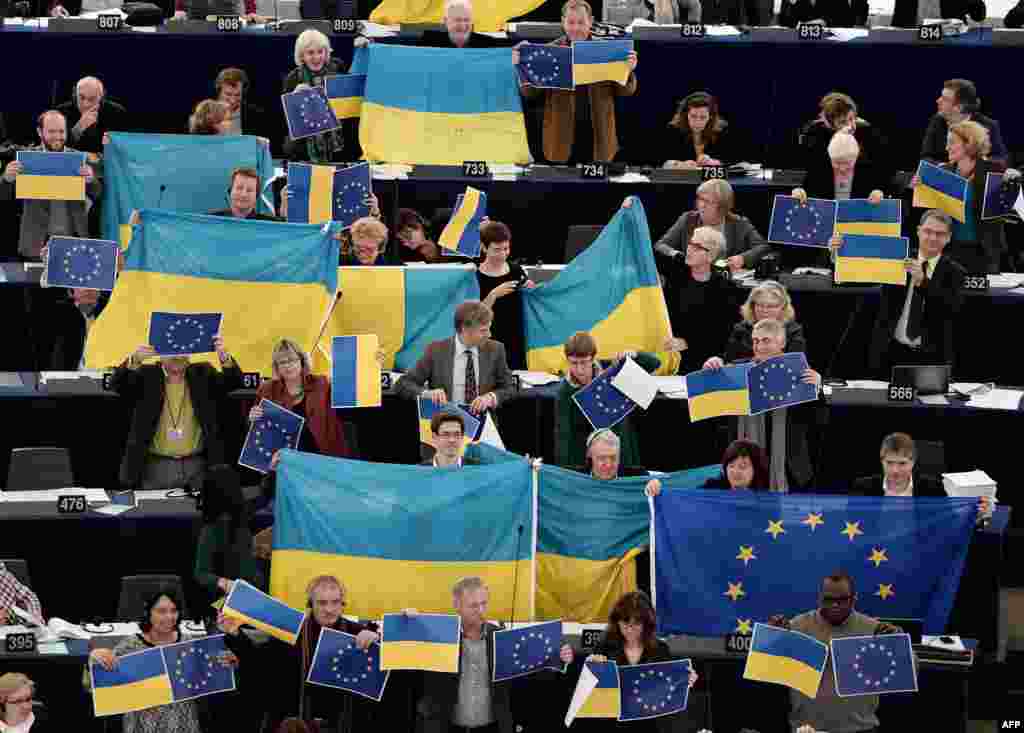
column 775, row 383
column 906, row 557
column 804, row 225
column 519, row 652
column 601, row 403
column 72, row 262
column 546, row 67
column 196, row 670
column 340, row 664
column 1001, row 197
column 873, row 665
column 182, row 334
column 277, row 429
column 308, row 113
column 653, row 690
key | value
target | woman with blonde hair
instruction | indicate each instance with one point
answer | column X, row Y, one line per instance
column 768, row 301
column 17, row 693
column 210, row 117
column 313, row 63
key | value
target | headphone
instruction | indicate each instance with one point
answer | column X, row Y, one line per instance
column 705, row 98
column 219, row 81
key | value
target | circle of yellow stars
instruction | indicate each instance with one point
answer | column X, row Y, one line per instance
column 204, row 675
column 350, row 673
column 813, row 520
column 669, row 689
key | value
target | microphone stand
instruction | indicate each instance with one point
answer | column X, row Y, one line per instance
column 515, row 577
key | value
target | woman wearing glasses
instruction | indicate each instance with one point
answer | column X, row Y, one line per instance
column 769, row 300
column 17, row 693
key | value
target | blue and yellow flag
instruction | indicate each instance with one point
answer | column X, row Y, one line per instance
column 402, row 536
column 596, row 61
column 425, row 642
column 50, row 176
column 873, row 665
column 461, row 234
column 252, row 606
column 407, row 307
column 584, row 567
column 786, row 658
column 906, row 557
column 345, row 94
column 355, row 371
column 319, row 193
column 442, row 106
column 867, row 258
column 611, row 290
column 139, row 681
column 601, row 679
column 136, row 175
column 270, row 280
column 487, row 17
column 197, row 669
column 860, row 216
column 717, row 392
column 426, row 409
column 941, row 189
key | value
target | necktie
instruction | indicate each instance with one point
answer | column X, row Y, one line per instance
column 472, row 391
column 917, row 306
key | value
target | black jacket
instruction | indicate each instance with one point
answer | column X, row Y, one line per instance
column 145, row 387
column 678, row 145
column 835, row 13
column 984, row 255
column 112, row 118
column 904, row 13
column 616, row 653
column 741, row 341
column 69, row 334
column 924, row 485
column 624, row 471
column 441, row 39
column 441, row 694
column 943, row 296
column 873, row 171
column 253, row 215
column 1013, row 19
column 934, row 146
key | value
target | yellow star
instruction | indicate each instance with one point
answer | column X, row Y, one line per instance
column 878, row 557
column 746, row 555
column 735, row 591
column 813, row 520
column 852, row 530
column 884, row 591
column 743, row 626
column 775, row 529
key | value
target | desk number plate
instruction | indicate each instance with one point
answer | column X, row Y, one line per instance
column 21, row 642
column 71, row 504
column 738, row 643
column 475, row 169
column 692, row 30
column 590, row 638
column 229, row 23
column 108, row 22
column 976, row 282
column 709, row 172
column 251, row 380
column 929, row 33
column 595, row 171
column 810, row 31
column 902, row 393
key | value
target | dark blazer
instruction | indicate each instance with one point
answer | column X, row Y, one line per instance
column 741, row 341
column 437, row 362
column 69, row 340
column 722, row 482
column 984, row 255
column 741, row 238
column 441, row 694
column 253, row 215
column 113, row 117
column 678, row 145
column 441, row 39
column 924, row 485
column 616, row 653
column 145, row 388
column 624, row 471
column 873, row 171
column 35, row 215
column 1013, row 19
column 943, row 296
column 835, row 13
column 934, row 145
column 255, row 121
column 722, row 12
column 904, row 13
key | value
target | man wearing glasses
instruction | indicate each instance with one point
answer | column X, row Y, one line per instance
column 834, row 618
column 449, row 437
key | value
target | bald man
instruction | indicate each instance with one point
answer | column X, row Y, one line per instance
column 90, row 114
column 458, row 33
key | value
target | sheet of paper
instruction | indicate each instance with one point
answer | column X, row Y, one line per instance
column 92, row 496
column 1005, row 280
column 5, row 630
column 53, row 647
column 674, row 386
column 721, row 30
column 933, row 399
column 866, row 384
column 998, row 399
column 113, row 509
column 585, row 686
column 636, row 384
column 536, row 379
column 846, row 34
column 956, row 645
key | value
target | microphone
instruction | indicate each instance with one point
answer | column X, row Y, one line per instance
column 160, row 198
column 515, row 577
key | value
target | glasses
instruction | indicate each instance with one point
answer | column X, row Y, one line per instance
column 697, row 245
column 763, row 304
column 835, row 600
column 20, row 700
column 633, row 622
column 287, row 362
column 450, row 436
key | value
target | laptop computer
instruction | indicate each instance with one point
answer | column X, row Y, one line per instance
column 912, row 626
column 928, row 379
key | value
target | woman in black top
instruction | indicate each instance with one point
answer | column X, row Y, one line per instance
column 629, row 639
column 768, row 300
column 744, row 467
column 697, row 135
column 499, row 284
column 313, row 62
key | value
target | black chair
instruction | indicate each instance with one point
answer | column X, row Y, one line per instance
column 931, row 457
column 580, row 237
column 19, row 569
column 136, row 589
column 39, row 468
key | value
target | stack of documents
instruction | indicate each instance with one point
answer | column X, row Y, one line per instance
column 969, row 483
column 92, row 496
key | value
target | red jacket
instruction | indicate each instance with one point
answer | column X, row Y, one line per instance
column 321, row 418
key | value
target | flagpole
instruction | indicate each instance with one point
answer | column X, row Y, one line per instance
column 650, row 542
column 535, row 465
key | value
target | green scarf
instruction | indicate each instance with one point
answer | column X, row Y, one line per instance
column 321, row 148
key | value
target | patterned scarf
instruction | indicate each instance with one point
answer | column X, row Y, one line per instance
column 321, row 148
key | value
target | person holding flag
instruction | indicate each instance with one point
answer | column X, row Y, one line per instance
column 834, row 618
column 630, row 639
column 500, row 281
column 313, row 62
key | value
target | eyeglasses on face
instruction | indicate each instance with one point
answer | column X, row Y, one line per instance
column 697, row 245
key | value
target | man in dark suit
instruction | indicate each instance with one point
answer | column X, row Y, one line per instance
column 91, row 115
column 910, row 13
column 232, row 87
column 958, row 103
column 603, row 457
column 916, row 322
column 73, row 319
column 243, row 197
column 468, row 368
column 898, row 476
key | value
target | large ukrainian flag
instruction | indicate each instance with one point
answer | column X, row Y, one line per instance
column 611, row 290
column 717, row 392
column 941, row 189
column 489, row 16
column 407, row 307
column 402, row 536
column 860, row 216
column 139, row 681
column 270, row 280
column 442, row 106
column 137, row 176
column 786, row 658
column 590, row 534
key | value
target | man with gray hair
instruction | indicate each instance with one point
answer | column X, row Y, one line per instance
column 458, row 33
column 916, row 321
column 470, row 701
column 90, row 115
